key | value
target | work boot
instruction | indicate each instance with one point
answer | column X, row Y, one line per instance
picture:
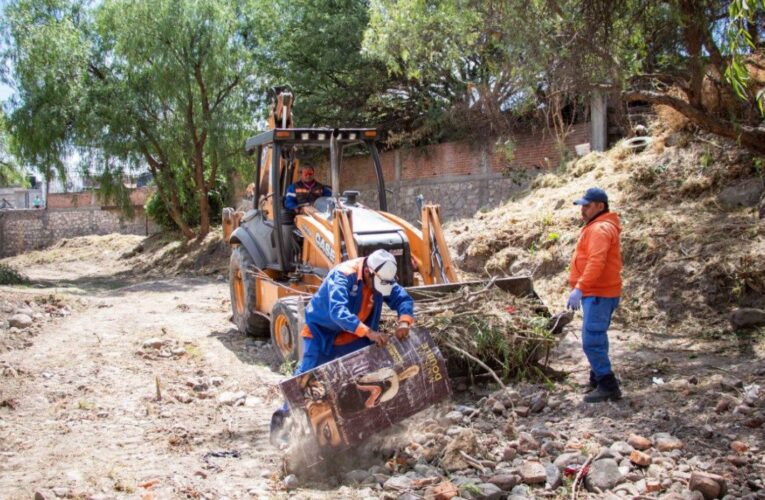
column 607, row 390
column 277, row 436
column 592, row 384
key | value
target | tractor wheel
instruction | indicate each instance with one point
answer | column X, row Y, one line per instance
column 284, row 329
column 243, row 295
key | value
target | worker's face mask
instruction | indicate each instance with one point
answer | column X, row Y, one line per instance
column 383, row 286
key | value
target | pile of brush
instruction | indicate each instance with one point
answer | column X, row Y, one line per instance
column 483, row 328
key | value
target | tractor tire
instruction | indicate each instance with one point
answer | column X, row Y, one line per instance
column 243, row 295
column 285, row 336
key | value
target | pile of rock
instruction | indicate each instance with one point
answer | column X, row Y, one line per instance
column 23, row 319
column 491, row 451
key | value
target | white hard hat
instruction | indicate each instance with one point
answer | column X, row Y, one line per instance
column 383, row 266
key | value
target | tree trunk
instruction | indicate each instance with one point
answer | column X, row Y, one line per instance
column 748, row 136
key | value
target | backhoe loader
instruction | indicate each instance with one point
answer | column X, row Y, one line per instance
column 279, row 259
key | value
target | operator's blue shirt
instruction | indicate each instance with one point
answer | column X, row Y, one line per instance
column 299, row 194
column 335, row 306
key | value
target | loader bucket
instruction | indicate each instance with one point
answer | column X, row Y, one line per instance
column 521, row 286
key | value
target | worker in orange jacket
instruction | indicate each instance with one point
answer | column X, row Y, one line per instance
column 596, row 281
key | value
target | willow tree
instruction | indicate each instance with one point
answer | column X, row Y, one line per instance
column 168, row 84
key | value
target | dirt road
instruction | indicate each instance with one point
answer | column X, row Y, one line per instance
column 82, row 417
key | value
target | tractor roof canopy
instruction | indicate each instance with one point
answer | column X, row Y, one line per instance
column 319, row 137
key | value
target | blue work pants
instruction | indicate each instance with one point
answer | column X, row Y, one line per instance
column 597, row 318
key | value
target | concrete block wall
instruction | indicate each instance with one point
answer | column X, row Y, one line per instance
column 24, row 230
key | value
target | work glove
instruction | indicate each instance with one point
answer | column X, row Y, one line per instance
column 402, row 332
column 378, row 338
column 574, row 300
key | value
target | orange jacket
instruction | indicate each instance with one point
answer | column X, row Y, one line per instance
column 597, row 262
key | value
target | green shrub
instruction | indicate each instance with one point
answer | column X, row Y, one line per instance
column 10, row 276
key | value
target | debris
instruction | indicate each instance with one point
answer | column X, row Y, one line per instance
column 20, row 321
column 533, row 472
column 639, row 442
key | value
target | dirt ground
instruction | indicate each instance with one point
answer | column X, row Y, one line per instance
column 135, row 385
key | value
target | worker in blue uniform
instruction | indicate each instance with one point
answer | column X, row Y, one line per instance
column 344, row 314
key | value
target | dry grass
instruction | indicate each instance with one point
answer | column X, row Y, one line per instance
column 688, row 261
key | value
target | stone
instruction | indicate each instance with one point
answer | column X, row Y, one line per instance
column 538, row 402
column 522, row 411
column 60, row 492
column 232, row 398
column 509, row 453
column 723, row 405
column 453, row 460
column 505, row 482
column 739, row 446
column 665, row 442
column 489, row 491
column 527, row 443
column 442, row 491
column 746, row 193
column 639, row 442
column 291, row 482
column 747, row 317
column 709, row 485
column 454, row 417
column 554, row 478
column 154, row 343
column 637, row 457
column 398, row 483
column 738, row 460
column 566, row 459
column 622, row 447
column 357, row 475
column 522, row 491
column 498, row 408
column 652, row 486
column 604, row 475
column 20, row 321
column 533, row 473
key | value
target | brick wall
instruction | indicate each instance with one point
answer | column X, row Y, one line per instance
column 462, row 177
column 23, row 230
column 89, row 198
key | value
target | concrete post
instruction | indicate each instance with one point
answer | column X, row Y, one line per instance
column 599, row 139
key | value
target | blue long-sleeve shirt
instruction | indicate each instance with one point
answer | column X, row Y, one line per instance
column 299, row 194
column 336, row 305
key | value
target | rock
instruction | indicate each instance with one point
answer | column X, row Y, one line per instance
column 746, row 193
column 216, row 381
column 509, row 453
column 521, row 491
column 637, row 457
column 604, row 475
column 357, row 476
column 505, row 482
column 567, row 459
column 533, row 473
column 291, row 482
column 652, row 486
column 442, row 491
column 489, row 491
column 60, row 492
column 551, row 447
column 639, row 442
column 498, row 408
column 454, row 417
column 538, row 402
column 756, row 421
column 738, row 460
column 466, row 410
column 739, row 446
column 522, row 411
column 723, row 405
column 465, row 441
column 20, row 321
column 154, row 343
column 39, row 496
column 398, row 483
column 747, row 317
column 232, row 398
column 665, row 442
column 527, row 443
column 709, row 485
column 622, row 447
column 554, row 477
